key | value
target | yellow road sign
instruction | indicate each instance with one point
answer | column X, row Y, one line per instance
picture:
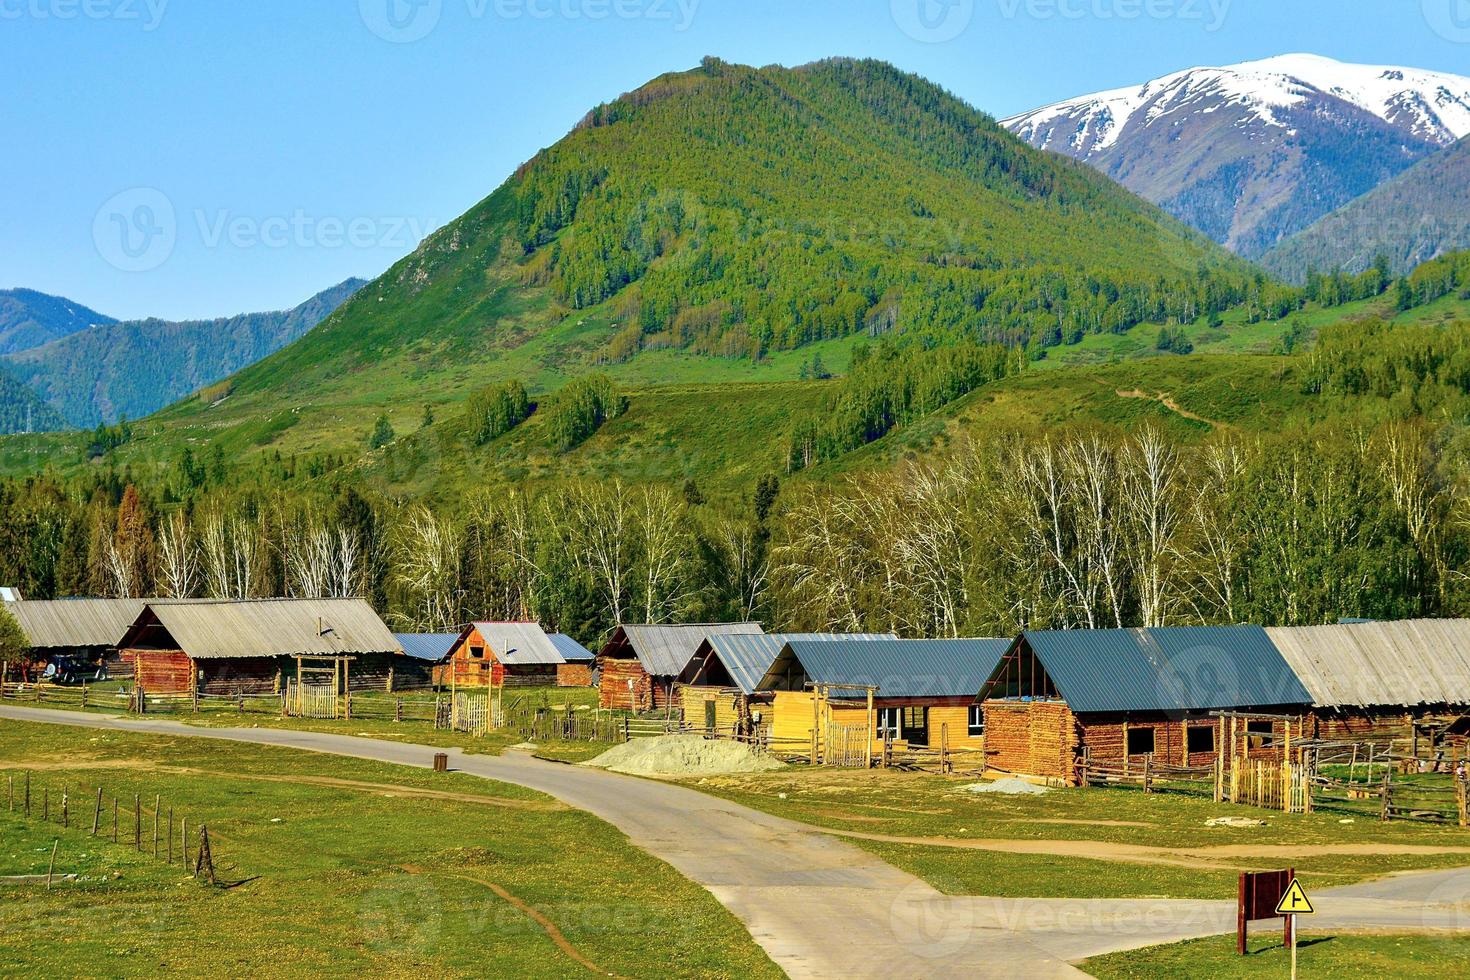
column 1295, row 901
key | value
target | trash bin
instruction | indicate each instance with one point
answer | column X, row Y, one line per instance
column 441, row 762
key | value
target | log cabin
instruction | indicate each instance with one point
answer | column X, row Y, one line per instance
column 1381, row 681
column 923, row 692
column 639, row 665
column 83, row 631
column 718, row 689
column 500, row 654
column 255, row 646
column 1136, row 694
column 422, row 652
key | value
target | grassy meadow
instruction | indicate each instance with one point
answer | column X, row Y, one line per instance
column 346, row 867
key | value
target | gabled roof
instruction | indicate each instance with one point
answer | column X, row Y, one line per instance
column 1366, row 664
column 571, row 651
column 432, row 647
column 664, row 651
column 1172, row 668
column 897, row 668
column 747, row 656
column 515, row 644
column 62, row 623
column 213, row 629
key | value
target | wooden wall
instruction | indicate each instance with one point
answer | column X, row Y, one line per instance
column 646, row 694
column 574, row 675
column 1032, row 738
column 161, row 671
column 1360, row 724
column 729, row 705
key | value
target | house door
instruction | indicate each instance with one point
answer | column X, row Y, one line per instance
column 709, row 716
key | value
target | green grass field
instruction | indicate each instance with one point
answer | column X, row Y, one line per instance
column 1318, row 955
column 1084, row 843
column 354, row 867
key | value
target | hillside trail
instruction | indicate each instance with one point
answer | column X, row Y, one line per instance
column 821, row 906
column 1167, row 400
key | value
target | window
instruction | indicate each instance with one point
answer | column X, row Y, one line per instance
column 889, row 721
column 916, row 726
column 1140, row 741
column 1258, row 733
column 1200, row 738
column 977, row 720
column 1261, row 727
column 477, row 653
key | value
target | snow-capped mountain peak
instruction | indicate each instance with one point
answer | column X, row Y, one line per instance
column 1429, row 106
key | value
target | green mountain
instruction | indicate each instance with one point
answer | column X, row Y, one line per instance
column 21, row 410
column 1423, row 213
column 30, row 319
column 135, row 368
column 714, row 224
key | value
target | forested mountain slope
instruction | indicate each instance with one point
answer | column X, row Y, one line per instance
column 1421, row 214
column 731, row 213
column 136, row 367
column 30, row 319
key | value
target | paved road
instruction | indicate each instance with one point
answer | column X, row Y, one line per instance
column 822, row 907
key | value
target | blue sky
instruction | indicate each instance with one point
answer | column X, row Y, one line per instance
column 248, row 154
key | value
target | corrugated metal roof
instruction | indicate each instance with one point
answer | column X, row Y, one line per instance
column 433, row 647
column 664, row 651
column 747, row 656
column 62, row 623
column 900, row 668
column 1173, row 668
column 517, row 644
column 1363, row 664
column 571, row 651
column 212, row 629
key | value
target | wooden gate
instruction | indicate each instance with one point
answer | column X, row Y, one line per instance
column 476, row 712
column 1283, row 786
column 847, row 746
column 312, row 700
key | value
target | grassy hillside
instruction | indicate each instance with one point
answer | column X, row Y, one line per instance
column 714, row 222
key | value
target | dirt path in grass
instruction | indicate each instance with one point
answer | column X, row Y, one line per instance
column 1215, row 857
column 822, row 907
column 1167, row 400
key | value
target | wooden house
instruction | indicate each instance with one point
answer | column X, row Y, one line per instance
column 576, row 670
column 639, row 665
column 718, row 688
column 1383, row 680
column 83, row 632
column 910, row 693
column 422, row 653
column 511, row 655
column 1130, row 695
column 256, row 646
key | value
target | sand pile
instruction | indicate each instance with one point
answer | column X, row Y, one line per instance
column 678, row 755
column 1010, row 786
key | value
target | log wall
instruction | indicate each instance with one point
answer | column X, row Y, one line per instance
column 160, row 671
column 644, row 695
column 1032, row 738
column 574, row 675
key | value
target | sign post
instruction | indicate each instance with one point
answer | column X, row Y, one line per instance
column 1293, row 903
column 1260, row 891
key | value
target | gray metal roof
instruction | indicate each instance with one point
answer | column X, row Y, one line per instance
column 747, row 656
column 213, row 629
column 571, row 651
column 1173, row 668
column 1364, row 664
column 898, row 668
column 433, row 647
column 516, row 644
column 62, row 623
column 664, row 651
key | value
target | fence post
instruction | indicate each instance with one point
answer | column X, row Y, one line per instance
column 1462, row 800
column 1383, row 812
column 1148, row 778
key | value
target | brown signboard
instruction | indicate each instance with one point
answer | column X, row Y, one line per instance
column 1260, row 892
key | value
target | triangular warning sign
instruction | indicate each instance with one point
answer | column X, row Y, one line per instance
column 1295, row 901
